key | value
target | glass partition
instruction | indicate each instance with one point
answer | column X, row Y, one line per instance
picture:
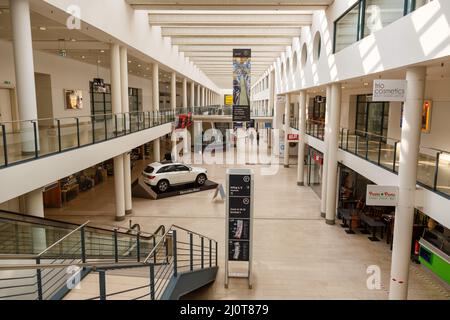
column 380, row 13
column 346, row 29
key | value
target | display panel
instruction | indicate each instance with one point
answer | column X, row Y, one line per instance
column 241, row 84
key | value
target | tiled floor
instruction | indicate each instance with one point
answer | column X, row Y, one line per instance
column 296, row 255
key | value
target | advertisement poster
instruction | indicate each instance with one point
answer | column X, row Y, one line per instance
column 241, row 84
column 74, row 99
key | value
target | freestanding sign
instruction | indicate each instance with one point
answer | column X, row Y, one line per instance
column 239, row 222
column 389, row 90
column 382, row 195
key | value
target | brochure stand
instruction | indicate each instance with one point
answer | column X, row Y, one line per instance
column 239, row 222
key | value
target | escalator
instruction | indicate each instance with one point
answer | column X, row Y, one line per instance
column 45, row 259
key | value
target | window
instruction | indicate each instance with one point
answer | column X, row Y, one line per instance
column 167, row 169
column 294, row 62
column 182, row 168
column 380, row 13
column 371, row 117
column 346, row 29
column 317, row 44
column 149, row 169
column 304, row 56
column 368, row 16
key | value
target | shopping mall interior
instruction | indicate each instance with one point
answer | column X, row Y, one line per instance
column 224, row 150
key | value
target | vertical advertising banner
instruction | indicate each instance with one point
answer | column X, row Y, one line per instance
column 241, row 84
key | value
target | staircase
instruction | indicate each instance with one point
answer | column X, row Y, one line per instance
column 44, row 259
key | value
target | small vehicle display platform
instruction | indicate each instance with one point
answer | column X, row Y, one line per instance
column 140, row 189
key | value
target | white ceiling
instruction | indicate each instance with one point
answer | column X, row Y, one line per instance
column 207, row 31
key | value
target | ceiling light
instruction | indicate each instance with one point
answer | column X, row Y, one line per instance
column 73, row 39
column 139, row 65
column 83, row 57
column 129, row 61
column 147, row 68
column 102, row 51
column 98, row 61
column 366, row 84
column 42, row 28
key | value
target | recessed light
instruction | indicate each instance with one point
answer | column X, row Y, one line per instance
column 99, row 61
column 366, row 84
column 83, row 57
column 139, row 65
column 42, row 28
column 102, row 51
column 129, row 61
column 73, row 39
column 147, row 68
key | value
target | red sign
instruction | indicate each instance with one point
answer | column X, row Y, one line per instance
column 318, row 158
column 292, row 137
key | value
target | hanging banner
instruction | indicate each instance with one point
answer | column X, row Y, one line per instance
column 241, row 84
column 389, row 90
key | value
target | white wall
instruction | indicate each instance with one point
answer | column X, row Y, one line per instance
column 66, row 73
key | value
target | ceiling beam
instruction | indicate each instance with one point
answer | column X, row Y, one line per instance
column 218, row 18
column 230, row 48
column 241, row 41
column 69, row 45
column 229, row 4
column 233, row 31
column 224, row 54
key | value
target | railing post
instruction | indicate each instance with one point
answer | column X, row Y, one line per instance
column 93, row 128
column 138, row 247
column 137, row 122
column 356, row 143
column 36, row 152
column 203, row 251
column 379, row 151
column 115, row 124
column 216, row 253
column 78, row 131
column 174, row 252
column 436, row 172
column 116, row 247
column 152, row 281
column 191, row 252
column 342, row 138
column 346, row 146
column 5, row 147
column 83, row 245
column 106, row 128
column 367, row 147
column 395, row 156
column 58, row 121
column 39, row 279
column 102, row 284
column 155, row 252
column 210, row 253
column 129, row 121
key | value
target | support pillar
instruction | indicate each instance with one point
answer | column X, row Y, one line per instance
column 198, row 100
column 333, row 145
column 24, row 68
column 155, row 84
column 192, row 100
column 185, row 97
column 407, row 174
column 287, row 116
column 173, row 105
column 34, row 203
column 301, row 139
column 323, row 199
column 119, row 187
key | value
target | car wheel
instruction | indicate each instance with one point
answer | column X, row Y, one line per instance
column 163, row 185
column 201, row 179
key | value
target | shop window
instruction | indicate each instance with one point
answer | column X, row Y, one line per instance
column 371, row 117
column 100, row 101
column 380, row 13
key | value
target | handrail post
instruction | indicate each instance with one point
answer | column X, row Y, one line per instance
column 83, row 245
column 78, row 131
column 152, row 281
column 36, row 152
column 379, row 151
column 5, row 147
column 39, row 279
column 367, row 147
column 58, row 121
column 191, row 252
column 356, row 143
column 116, row 247
column 115, row 124
column 174, row 252
column 203, row 251
column 138, row 247
column 102, row 284
column 93, row 128
column 346, row 146
column 106, row 128
column 436, row 171
column 210, row 253
column 155, row 252
column 129, row 121
column 216, row 253
column 395, row 156
column 342, row 138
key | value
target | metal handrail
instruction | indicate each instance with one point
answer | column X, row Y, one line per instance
column 193, row 232
column 63, row 238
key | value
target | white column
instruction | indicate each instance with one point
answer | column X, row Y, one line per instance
column 287, row 109
column 203, row 96
column 301, row 138
column 119, row 187
column 323, row 199
column 407, row 174
column 125, row 109
column 192, row 100
column 173, row 91
column 34, row 203
column 155, row 82
column 333, row 145
column 185, row 95
column 116, row 97
column 198, row 101
column 271, row 95
column 24, row 67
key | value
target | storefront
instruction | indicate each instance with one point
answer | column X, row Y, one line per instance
column 314, row 170
column 371, row 117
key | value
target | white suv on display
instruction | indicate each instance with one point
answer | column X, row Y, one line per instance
column 164, row 175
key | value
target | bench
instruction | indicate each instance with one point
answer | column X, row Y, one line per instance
column 374, row 224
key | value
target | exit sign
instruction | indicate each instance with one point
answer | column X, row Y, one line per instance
column 292, row 137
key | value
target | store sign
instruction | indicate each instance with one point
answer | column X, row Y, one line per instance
column 292, row 137
column 281, row 99
column 241, row 113
column 318, row 158
column 228, row 100
column 389, row 90
column 382, row 195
